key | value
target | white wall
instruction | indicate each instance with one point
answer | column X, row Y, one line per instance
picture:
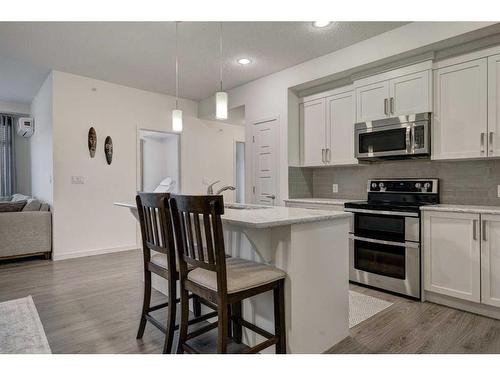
column 268, row 97
column 208, row 154
column 41, row 143
column 85, row 220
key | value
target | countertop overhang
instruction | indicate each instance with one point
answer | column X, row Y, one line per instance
column 463, row 208
column 267, row 217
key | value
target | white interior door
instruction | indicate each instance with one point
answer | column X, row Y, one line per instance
column 372, row 101
column 452, row 254
column 460, row 111
column 265, row 149
column 410, row 94
column 490, row 260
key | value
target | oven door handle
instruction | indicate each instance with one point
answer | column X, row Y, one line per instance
column 392, row 213
column 382, row 242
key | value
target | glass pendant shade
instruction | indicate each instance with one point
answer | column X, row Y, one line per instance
column 221, row 105
column 177, row 120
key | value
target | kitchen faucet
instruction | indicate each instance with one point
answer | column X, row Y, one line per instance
column 210, row 188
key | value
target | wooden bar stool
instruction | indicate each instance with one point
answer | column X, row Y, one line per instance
column 223, row 281
column 157, row 236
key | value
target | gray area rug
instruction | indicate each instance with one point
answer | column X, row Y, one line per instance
column 362, row 307
column 21, row 331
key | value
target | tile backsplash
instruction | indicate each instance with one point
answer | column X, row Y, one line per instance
column 461, row 182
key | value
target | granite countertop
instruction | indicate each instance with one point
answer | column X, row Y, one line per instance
column 462, row 208
column 267, row 217
column 332, row 201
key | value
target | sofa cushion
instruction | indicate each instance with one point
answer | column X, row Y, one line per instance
column 12, row 206
column 32, row 205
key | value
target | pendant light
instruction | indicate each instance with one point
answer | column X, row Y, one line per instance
column 176, row 113
column 220, row 96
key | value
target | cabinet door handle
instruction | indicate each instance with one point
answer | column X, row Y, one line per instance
column 328, row 153
column 385, row 106
column 491, row 142
column 474, row 230
column 392, row 105
column 483, row 226
column 482, row 142
column 323, row 155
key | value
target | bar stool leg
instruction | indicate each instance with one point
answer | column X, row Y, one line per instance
column 172, row 307
column 183, row 327
column 222, row 328
column 279, row 317
column 237, row 327
column 196, row 306
column 145, row 304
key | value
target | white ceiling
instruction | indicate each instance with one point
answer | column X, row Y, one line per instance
column 141, row 55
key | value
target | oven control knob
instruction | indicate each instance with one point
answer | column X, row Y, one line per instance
column 418, row 185
column 381, row 184
column 427, row 186
column 374, row 185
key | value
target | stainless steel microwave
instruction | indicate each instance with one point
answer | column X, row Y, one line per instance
column 400, row 137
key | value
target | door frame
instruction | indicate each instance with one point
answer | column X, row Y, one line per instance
column 138, row 155
column 252, row 150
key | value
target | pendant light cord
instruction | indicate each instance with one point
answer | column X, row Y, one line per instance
column 176, row 68
column 220, row 53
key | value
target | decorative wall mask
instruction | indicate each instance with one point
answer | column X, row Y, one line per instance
column 108, row 149
column 92, row 141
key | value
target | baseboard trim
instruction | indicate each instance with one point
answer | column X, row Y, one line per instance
column 88, row 253
column 476, row 308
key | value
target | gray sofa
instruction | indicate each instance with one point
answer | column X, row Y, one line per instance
column 27, row 232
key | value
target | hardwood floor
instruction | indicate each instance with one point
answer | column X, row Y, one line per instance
column 92, row 305
column 415, row 327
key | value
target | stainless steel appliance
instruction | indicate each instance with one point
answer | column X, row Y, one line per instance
column 384, row 240
column 400, row 137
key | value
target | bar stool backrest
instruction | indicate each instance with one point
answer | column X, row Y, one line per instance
column 156, row 226
column 198, row 234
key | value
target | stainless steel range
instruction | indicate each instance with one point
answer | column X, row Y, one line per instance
column 384, row 249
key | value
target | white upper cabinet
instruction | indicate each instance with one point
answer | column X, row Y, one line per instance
column 340, row 110
column 490, row 260
column 460, row 111
column 410, row 94
column 402, row 91
column 452, row 254
column 327, row 128
column 313, row 132
column 372, row 101
column 494, row 105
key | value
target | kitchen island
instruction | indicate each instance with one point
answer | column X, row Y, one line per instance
column 311, row 246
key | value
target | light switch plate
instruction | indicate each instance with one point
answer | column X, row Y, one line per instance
column 77, row 180
column 335, row 188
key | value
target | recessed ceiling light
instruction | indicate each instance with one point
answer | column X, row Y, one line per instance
column 320, row 24
column 244, row 61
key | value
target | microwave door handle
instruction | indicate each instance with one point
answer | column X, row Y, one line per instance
column 408, row 140
column 413, row 139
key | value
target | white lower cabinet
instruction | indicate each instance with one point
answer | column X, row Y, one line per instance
column 452, row 254
column 462, row 255
column 490, row 260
